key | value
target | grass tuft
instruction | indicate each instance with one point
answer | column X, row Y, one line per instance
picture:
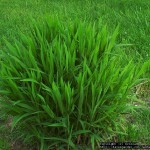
column 66, row 84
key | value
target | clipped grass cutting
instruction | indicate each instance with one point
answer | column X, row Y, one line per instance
column 67, row 85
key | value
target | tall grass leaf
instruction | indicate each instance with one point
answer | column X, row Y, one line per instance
column 81, row 97
column 57, row 96
column 29, row 80
column 61, row 124
column 61, row 140
column 20, row 117
column 48, row 110
column 113, row 39
column 93, row 142
column 25, row 106
column 79, row 132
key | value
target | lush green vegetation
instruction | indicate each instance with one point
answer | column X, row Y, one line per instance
column 70, row 94
column 133, row 16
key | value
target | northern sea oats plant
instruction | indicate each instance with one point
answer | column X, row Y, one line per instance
column 65, row 84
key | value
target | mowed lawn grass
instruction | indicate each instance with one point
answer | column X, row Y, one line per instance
column 133, row 16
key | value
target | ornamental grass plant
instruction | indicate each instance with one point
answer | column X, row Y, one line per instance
column 66, row 84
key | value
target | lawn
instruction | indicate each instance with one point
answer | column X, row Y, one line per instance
column 133, row 18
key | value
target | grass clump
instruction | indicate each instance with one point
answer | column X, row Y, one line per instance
column 65, row 84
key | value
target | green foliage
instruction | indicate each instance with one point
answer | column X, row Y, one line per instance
column 4, row 144
column 139, row 127
column 132, row 15
column 66, row 84
column 4, row 133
